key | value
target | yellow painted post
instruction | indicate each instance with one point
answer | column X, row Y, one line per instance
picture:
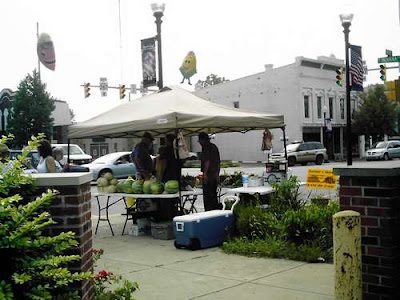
column 347, row 255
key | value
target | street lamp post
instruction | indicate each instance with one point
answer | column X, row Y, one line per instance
column 158, row 13
column 346, row 22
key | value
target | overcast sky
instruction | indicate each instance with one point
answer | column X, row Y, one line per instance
column 230, row 38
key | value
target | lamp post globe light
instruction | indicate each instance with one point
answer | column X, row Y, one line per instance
column 158, row 13
column 346, row 22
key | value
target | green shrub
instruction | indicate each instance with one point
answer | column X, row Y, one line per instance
column 33, row 266
column 285, row 197
column 273, row 247
column 253, row 222
column 312, row 224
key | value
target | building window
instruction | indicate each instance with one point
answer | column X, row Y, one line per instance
column 330, row 107
column 319, row 107
column 306, row 106
column 342, row 108
column 236, row 104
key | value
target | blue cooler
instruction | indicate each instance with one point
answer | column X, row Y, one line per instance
column 204, row 229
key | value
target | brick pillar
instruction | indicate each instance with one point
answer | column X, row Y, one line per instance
column 375, row 194
column 71, row 209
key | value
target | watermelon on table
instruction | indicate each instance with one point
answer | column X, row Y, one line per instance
column 157, row 187
column 146, row 186
column 172, row 186
column 137, row 187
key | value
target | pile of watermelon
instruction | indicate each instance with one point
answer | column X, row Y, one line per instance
column 107, row 183
column 131, row 186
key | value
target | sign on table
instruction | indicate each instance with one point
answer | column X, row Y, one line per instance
column 321, row 179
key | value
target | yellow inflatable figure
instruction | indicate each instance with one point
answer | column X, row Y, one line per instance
column 188, row 68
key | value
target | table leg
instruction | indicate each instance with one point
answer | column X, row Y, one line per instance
column 108, row 220
column 98, row 220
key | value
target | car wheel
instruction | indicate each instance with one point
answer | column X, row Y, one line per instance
column 319, row 160
column 102, row 172
column 291, row 161
column 386, row 156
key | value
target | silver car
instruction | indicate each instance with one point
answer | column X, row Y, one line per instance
column 303, row 153
column 384, row 150
column 118, row 163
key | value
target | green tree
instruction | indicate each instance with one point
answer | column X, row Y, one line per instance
column 31, row 110
column 377, row 115
column 211, row 79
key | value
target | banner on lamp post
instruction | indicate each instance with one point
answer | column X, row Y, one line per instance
column 149, row 62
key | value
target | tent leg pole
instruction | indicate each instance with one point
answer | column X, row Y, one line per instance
column 284, row 142
column 180, row 167
column 68, row 161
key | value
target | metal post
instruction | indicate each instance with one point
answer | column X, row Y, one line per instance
column 346, row 31
column 158, row 15
column 347, row 255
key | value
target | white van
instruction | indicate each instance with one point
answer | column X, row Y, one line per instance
column 76, row 154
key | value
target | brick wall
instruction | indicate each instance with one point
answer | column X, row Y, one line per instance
column 71, row 209
column 375, row 194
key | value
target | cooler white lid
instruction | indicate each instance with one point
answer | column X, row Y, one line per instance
column 202, row 215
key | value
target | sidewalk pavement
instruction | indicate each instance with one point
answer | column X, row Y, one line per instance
column 164, row 272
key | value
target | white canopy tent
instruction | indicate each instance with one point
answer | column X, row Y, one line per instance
column 169, row 110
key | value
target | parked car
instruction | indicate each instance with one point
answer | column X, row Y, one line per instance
column 303, row 153
column 118, row 163
column 33, row 157
column 76, row 154
column 384, row 150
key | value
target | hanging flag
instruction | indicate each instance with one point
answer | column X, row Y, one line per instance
column 356, row 69
column 149, row 62
column 45, row 51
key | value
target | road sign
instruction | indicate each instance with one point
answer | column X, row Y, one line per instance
column 103, row 86
column 388, row 59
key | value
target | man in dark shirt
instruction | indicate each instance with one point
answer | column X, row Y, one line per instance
column 141, row 157
column 210, row 166
column 170, row 164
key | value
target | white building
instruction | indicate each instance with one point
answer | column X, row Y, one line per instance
column 305, row 92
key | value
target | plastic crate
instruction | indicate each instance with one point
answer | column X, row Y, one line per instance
column 162, row 230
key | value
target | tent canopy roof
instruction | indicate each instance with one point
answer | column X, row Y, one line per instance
column 170, row 109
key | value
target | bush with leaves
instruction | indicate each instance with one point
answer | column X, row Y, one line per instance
column 286, row 196
column 311, row 224
column 252, row 222
column 34, row 265
column 104, row 280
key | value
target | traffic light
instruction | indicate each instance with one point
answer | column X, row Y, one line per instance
column 121, row 91
column 390, row 90
column 86, row 87
column 339, row 76
column 383, row 72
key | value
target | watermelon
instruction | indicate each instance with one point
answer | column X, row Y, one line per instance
column 127, row 186
column 108, row 176
column 114, row 181
column 110, row 189
column 137, row 187
column 120, row 186
column 146, row 186
column 102, row 181
column 172, row 186
column 157, row 187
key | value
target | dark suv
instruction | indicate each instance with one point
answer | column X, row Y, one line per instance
column 33, row 157
column 303, row 153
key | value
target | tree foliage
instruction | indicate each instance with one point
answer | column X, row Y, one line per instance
column 33, row 264
column 211, row 79
column 31, row 110
column 377, row 115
